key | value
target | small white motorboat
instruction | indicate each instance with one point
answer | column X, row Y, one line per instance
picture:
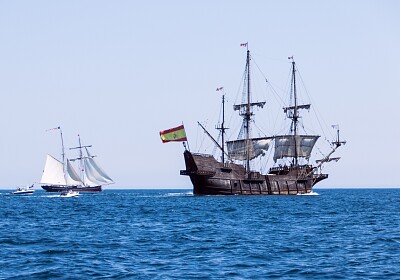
column 69, row 193
column 24, row 190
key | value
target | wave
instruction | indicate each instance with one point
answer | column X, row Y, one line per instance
column 311, row 193
column 189, row 193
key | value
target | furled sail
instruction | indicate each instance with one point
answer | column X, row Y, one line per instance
column 71, row 177
column 95, row 176
column 289, row 145
column 53, row 172
column 257, row 146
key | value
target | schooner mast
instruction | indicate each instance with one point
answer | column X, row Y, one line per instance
column 91, row 173
column 63, row 153
column 81, row 157
column 57, row 173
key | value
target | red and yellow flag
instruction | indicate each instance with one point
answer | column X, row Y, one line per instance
column 176, row 134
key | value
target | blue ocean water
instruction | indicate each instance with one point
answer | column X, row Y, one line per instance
column 171, row 234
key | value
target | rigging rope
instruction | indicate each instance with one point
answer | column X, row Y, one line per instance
column 315, row 109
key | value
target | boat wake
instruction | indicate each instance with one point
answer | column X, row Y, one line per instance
column 51, row 195
column 189, row 193
column 311, row 193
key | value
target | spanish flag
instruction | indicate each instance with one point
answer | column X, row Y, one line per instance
column 176, row 134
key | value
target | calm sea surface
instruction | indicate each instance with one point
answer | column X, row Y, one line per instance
column 171, row 234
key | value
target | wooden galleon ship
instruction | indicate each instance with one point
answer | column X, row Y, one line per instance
column 232, row 174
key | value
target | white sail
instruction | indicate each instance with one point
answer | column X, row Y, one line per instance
column 53, row 172
column 286, row 146
column 71, row 176
column 95, row 176
column 257, row 146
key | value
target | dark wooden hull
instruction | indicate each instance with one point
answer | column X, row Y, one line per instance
column 54, row 188
column 210, row 177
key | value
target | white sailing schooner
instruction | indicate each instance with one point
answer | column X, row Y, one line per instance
column 60, row 176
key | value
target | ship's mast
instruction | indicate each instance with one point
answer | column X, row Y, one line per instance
column 62, row 151
column 212, row 138
column 62, row 148
column 63, row 155
column 222, row 128
column 248, row 114
column 295, row 116
column 292, row 112
column 338, row 143
column 80, row 158
column 245, row 110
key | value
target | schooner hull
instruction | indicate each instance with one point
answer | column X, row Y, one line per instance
column 210, row 177
column 54, row 188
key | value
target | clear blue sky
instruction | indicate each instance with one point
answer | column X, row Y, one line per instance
column 118, row 72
